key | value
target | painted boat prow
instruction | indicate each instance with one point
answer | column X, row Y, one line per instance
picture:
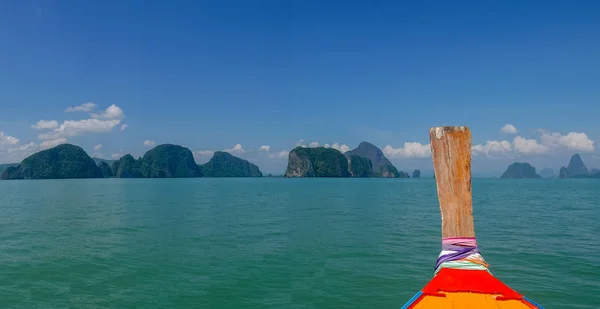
column 462, row 279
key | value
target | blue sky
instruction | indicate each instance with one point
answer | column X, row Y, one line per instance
column 210, row 75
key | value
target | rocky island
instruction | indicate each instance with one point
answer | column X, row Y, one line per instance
column 106, row 170
column 316, row 162
column 575, row 169
column 5, row 166
column 381, row 166
column 416, row 174
column 520, row 170
column 60, row 162
column 127, row 167
column 224, row 164
column 169, row 161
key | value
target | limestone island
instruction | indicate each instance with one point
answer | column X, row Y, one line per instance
column 163, row 161
column 520, row 170
column 363, row 162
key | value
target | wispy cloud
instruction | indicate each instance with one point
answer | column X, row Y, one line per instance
column 85, row 107
column 279, row 155
column 237, row 148
column 409, row 150
column 52, row 143
column 45, row 124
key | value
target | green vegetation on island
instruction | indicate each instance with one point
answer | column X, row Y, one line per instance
column 316, row 162
column 169, row 161
column 98, row 160
column 5, row 166
column 520, row 170
column 61, row 162
column 224, row 164
column 360, row 166
column 106, row 170
column 127, row 167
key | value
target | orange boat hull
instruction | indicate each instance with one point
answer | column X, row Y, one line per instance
column 465, row 289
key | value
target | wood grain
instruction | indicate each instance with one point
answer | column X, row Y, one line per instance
column 451, row 153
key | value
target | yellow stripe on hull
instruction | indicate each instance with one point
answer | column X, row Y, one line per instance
column 468, row 301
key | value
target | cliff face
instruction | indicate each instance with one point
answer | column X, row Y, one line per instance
column 60, row 162
column 359, row 166
column 127, row 167
column 3, row 167
column 169, row 161
column 382, row 167
column 316, row 162
column 563, row 173
column 224, row 164
column 105, row 168
column 576, row 168
column 520, row 170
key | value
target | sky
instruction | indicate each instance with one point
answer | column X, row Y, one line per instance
column 258, row 78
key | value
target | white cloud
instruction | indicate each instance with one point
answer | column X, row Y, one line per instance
column 24, row 148
column 98, row 155
column 237, row 148
column 572, row 141
column 264, row 148
column 112, row 112
column 313, row 144
column 300, row 143
column 279, row 155
column 8, row 140
column 123, row 127
column 509, row 128
column 11, row 152
column 97, row 147
column 327, row 145
column 148, row 143
column 45, row 124
column 528, row 146
column 71, row 128
column 492, row 148
column 204, row 153
column 85, row 107
column 409, row 150
column 118, row 155
column 342, row 148
column 52, row 143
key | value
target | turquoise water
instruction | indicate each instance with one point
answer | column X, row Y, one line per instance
column 283, row 243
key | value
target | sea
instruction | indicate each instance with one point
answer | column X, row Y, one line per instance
column 283, row 243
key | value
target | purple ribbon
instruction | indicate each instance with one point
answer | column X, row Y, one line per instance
column 462, row 246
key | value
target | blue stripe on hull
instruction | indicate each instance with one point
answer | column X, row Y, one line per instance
column 412, row 300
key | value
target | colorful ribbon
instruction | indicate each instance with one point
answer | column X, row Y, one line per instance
column 460, row 253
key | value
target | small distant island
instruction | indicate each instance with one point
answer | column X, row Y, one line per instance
column 575, row 169
column 520, row 170
column 366, row 161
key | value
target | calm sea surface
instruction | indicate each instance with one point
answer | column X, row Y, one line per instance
column 283, row 243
